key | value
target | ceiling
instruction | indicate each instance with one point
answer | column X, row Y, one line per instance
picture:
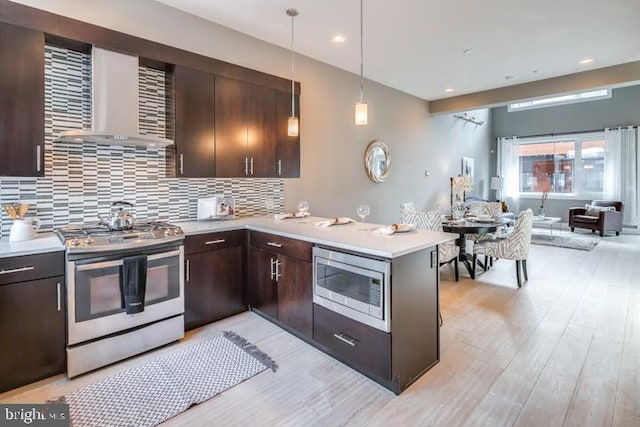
column 418, row 46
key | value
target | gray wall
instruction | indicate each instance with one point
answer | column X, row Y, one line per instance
column 623, row 108
column 333, row 178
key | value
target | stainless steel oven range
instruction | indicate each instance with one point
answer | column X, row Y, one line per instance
column 125, row 291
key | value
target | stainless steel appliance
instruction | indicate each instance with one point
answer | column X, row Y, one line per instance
column 216, row 208
column 354, row 286
column 104, row 271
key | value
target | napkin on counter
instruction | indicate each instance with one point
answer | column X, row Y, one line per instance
column 281, row 216
column 334, row 221
column 394, row 228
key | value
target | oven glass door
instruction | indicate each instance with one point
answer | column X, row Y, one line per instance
column 98, row 290
column 355, row 287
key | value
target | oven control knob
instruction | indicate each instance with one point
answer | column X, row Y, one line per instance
column 88, row 241
column 168, row 232
column 74, row 242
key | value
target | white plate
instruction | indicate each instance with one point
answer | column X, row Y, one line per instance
column 483, row 220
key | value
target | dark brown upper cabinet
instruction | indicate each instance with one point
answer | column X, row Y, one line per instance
column 194, row 126
column 21, row 101
column 287, row 147
column 245, row 129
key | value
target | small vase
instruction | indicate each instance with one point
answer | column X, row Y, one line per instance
column 458, row 208
column 541, row 212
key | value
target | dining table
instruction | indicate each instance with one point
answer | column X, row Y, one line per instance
column 470, row 226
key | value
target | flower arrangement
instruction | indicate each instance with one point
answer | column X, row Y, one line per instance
column 461, row 185
column 545, row 194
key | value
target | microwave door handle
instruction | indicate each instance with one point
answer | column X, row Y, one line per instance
column 351, row 268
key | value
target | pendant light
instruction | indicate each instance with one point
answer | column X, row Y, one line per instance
column 361, row 107
column 292, row 124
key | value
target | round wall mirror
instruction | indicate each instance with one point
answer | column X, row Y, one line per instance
column 377, row 161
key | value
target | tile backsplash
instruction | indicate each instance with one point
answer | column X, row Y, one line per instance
column 81, row 180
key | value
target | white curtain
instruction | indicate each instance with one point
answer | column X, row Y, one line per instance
column 509, row 169
column 621, row 171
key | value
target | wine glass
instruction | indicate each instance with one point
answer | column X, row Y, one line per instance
column 363, row 211
column 303, row 207
column 269, row 205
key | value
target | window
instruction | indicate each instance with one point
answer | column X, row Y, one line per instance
column 560, row 100
column 569, row 165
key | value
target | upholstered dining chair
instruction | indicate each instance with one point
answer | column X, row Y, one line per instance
column 493, row 209
column 514, row 247
column 447, row 252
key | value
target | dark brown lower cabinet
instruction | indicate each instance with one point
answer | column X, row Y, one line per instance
column 213, row 287
column 264, row 290
column 398, row 358
column 360, row 346
column 295, row 294
column 281, row 281
column 32, row 326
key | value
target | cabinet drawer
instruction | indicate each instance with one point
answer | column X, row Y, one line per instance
column 359, row 345
column 213, row 241
column 31, row 267
column 282, row 245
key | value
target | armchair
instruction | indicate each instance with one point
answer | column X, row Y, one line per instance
column 600, row 215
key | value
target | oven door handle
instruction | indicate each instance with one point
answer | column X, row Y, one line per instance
column 163, row 255
column 98, row 265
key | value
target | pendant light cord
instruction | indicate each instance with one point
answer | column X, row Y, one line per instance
column 361, row 53
column 293, row 70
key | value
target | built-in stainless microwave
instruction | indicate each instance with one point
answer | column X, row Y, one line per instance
column 354, row 286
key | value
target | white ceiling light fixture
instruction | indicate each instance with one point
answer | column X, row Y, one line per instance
column 361, row 107
column 338, row 39
column 293, row 124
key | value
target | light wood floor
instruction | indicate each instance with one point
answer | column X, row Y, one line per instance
column 562, row 351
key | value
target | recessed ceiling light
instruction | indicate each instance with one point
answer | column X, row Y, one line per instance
column 338, row 39
column 586, row 61
column 449, row 90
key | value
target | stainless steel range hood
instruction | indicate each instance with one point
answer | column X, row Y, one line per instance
column 114, row 103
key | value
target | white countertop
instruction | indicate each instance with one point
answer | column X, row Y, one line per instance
column 44, row 242
column 357, row 237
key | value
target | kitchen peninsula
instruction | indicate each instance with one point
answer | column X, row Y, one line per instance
column 274, row 262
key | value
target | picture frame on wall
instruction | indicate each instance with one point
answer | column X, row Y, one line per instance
column 468, row 168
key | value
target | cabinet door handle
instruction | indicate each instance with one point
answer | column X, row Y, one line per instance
column 188, row 272
column 272, row 262
column 274, row 244
column 59, row 297
column 246, row 166
column 213, row 242
column 38, row 160
column 252, row 166
column 346, row 339
column 16, row 270
column 279, row 167
column 181, row 164
column 278, row 275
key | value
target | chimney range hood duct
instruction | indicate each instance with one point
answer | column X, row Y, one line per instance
column 114, row 103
